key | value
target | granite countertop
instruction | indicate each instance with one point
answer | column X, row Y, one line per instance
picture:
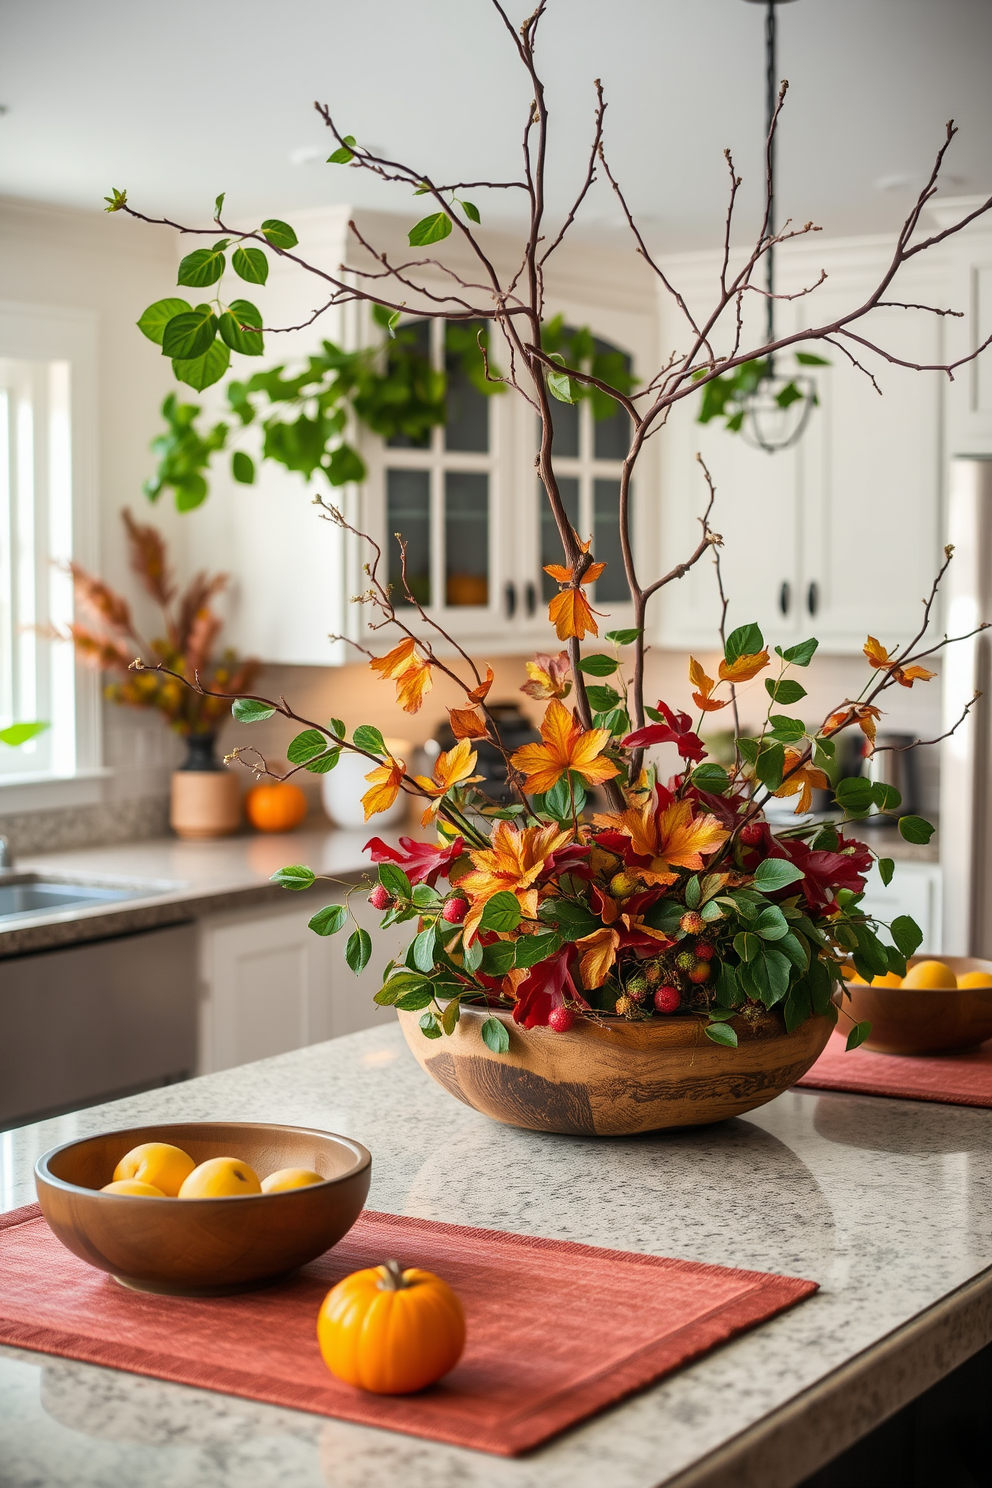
column 887, row 1204
column 175, row 881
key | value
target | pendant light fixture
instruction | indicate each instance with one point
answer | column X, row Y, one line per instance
column 778, row 409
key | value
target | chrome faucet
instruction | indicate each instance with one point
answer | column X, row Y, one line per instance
column 6, row 856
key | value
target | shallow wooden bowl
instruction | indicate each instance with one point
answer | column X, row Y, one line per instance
column 922, row 1020
column 204, row 1247
column 616, row 1078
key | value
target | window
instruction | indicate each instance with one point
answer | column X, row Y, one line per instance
column 47, row 365
column 440, row 488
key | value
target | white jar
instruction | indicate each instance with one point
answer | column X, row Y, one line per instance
column 344, row 786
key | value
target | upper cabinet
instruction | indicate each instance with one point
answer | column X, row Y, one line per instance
column 969, row 289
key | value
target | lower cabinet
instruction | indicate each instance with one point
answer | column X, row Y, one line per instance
column 269, row 984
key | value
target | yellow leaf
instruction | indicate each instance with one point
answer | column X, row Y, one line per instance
column 510, row 864
column 598, row 953
column 876, row 653
column 571, row 615
column 385, row 782
column 565, row 748
column 466, row 723
column 744, row 668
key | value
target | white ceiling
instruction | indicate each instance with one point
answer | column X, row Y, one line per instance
column 177, row 102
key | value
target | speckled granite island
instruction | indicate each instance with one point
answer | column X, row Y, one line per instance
column 888, row 1204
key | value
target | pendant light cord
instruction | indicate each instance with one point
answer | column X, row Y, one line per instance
column 771, row 98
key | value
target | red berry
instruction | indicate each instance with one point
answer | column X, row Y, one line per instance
column 455, row 911
column 560, row 1019
column 752, row 833
column 700, row 973
column 691, row 922
column 667, row 999
column 380, row 897
column 704, row 950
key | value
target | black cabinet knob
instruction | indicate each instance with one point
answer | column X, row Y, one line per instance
column 530, row 598
column 510, row 600
column 813, row 597
column 785, row 597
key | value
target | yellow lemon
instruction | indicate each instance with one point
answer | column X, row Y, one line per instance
column 975, row 979
column 220, row 1178
column 164, row 1167
column 135, row 1187
column 888, row 980
column 933, row 975
column 290, row 1178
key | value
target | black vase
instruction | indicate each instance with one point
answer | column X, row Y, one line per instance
column 200, row 753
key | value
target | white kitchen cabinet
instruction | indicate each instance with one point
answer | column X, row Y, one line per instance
column 839, row 536
column 269, row 984
column 915, row 890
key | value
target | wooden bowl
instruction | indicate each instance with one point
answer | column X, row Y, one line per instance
column 923, row 1020
column 204, row 1247
column 617, row 1078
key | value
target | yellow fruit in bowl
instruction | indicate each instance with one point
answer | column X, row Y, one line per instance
column 220, row 1178
column 157, row 1163
column 134, row 1187
column 888, row 980
column 930, row 975
column 975, row 979
column 290, row 1178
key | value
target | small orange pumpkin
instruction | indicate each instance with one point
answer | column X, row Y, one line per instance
column 391, row 1331
column 276, row 808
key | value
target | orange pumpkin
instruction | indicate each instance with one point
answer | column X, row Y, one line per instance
column 276, row 808
column 391, row 1331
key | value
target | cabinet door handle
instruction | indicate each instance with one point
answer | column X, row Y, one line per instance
column 785, row 597
column 813, row 597
column 530, row 599
column 510, row 600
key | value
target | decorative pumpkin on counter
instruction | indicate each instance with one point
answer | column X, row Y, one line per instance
column 276, row 807
column 391, row 1331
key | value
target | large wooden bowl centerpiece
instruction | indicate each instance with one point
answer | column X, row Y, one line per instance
column 612, row 1078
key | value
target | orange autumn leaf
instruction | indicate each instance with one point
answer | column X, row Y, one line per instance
column 564, row 575
column 571, row 615
column 466, row 723
column 876, row 653
column 510, row 864
column 704, row 686
column 565, row 748
column 480, row 693
column 385, row 783
column 673, row 838
column 906, row 676
column 744, row 668
column 884, row 661
column 451, row 768
column 598, row 951
column 863, row 714
column 550, row 677
column 802, row 782
column 394, row 662
column 410, row 672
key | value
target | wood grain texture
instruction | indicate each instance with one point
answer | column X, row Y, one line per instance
column 617, row 1078
column 204, row 1247
column 922, row 1020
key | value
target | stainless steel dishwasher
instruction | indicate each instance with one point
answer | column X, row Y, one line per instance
column 93, row 1021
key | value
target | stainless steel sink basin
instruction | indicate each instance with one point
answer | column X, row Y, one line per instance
column 39, row 896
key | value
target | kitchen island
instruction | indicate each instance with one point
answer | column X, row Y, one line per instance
column 887, row 1204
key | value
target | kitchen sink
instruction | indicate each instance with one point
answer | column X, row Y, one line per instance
column 40, row 896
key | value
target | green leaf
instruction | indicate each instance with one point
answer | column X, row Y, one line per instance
column 423, row 949
column 858, row 1034
column 771, row 923
column 598, row 666
column 241, row 313
column 530, row 949
column 369, row 738
column 721, row 1033
column 337, row 728
column 854, row 793
column 602, row 699
column 495, row 1036
column 907, row 934
column 693, row 892
column 915, row 829
column 219, row 205
column 886, row 868
column 329, row 920
column 416, row 998
column 324, row 763
column 306, row 746
column 711, row 777
column 343, row 464
column 430, row 230
column 394, row 881
column 807, row 359
column 770, row 765
column 343, row 155
column 775, row 972
column 471, row 211
column 243, row 468
column 429, row 1026
column 789, row 730
column 799, row 655
column 189, row 334
column 796, row 949
column 775, row 873
column 564, row 797
column 896, row 961
column 622, row 637
column 16, row 734
column 279, row 234
column 502, row 913
column 203, row 266
column 572, row 921
column 785, row 691
column 746, row 945
column 248, row 710
column 358, row 951
column 451, row 1015
column 250, row 264
column 203, row 371
column 788, row 395
column 746, row 640
column 885, row 797
column 296, row 876
column 155, row 319
column 497, row 959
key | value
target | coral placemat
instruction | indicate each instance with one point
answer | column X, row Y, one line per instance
column 556, row 1331
column 956, row 1079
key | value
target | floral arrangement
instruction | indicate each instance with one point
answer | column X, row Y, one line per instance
column 110, row 639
